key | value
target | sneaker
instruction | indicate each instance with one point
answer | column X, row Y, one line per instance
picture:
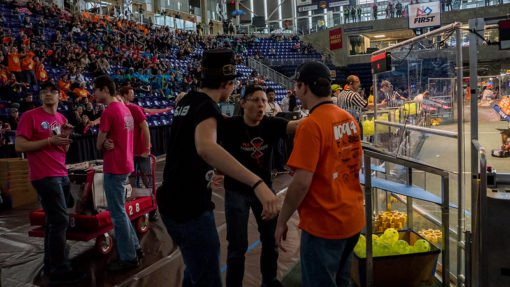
column 274, row 283
column 139, row 253
column 67, row 278
column 121, row 265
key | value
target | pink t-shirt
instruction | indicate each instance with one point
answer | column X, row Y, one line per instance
column 117, row 122
column 139, row 139
column 36, row 125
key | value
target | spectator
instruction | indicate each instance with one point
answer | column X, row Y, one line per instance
column 14, row 59
column 289, row 102
column 41, row 74
column 359, row 13
column 449, row 5
column 374, row 10
column 346, row 14
column 82, row 126
column 28, row 66
column 13, row 118
column 272, row 108
column 81, row 91
column 321, row 199
column 399, row 9
column 90, row 111
column 27, row 104
column 353, row 14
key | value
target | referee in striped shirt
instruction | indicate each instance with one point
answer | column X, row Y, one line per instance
column 350, row 100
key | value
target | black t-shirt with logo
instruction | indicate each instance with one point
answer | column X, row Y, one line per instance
column 251, row 146
column 183, row 195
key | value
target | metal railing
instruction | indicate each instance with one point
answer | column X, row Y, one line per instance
column 409, row 165
column 272, row 75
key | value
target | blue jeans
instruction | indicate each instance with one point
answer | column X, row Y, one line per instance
column 125, row 235
column 326, row 262
column 200, row 248
column 53, row 192
column 237, row 212
column 143, row 166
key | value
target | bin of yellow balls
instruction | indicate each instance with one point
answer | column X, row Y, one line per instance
column 401, row 258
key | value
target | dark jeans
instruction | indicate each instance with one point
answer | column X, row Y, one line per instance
column 237, row 212
column 30, row 78
column 200, row 248
column 143, row 166
column 53, row 192
column 326, row 262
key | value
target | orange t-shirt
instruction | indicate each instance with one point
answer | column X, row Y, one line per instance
column 3, row 75
column 328, row 144
column 27, row 64
column 63, row 96
column 41, row 75
column 14, row 63
column 81, row 92
column 64, row 86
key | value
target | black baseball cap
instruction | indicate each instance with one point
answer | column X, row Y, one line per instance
column 48, row 85
column 219, row 64
column 311, row 72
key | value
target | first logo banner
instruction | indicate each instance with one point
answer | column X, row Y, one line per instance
column 424, row 15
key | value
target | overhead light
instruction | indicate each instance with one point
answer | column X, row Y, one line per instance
column 379, row 36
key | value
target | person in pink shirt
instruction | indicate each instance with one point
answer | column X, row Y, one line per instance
column 142, row 136
column 43, row 134
column 115, row 139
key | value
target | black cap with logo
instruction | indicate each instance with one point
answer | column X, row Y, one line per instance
column 219, row 64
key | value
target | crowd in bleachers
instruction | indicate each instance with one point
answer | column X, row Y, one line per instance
column 44, row 43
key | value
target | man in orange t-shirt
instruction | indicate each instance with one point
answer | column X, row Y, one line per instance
column 14, row 63
column 40, row 73
column 81, row 91
column 326, row 188
column 28, row 66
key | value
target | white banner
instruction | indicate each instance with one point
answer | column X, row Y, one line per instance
column 303, row 2
column 308, row 8
column 338, row 4
column 424, row 15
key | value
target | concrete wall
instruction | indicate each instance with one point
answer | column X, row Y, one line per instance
column 341, row 57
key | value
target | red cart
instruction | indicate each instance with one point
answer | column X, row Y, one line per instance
column 96, row 224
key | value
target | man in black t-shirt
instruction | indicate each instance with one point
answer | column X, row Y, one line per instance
column 250, row 139
column 184, row 200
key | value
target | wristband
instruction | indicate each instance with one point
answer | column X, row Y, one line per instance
column 256, row 184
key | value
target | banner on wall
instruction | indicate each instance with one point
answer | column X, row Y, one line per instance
column 303, row 2
column 311, row 5
column 424, row 15
column 335, row 39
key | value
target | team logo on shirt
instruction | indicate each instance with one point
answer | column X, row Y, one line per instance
column 45, row 125
column 257, row 147
column 128, row 122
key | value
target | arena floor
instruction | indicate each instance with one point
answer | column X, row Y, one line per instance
column 21, row 256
